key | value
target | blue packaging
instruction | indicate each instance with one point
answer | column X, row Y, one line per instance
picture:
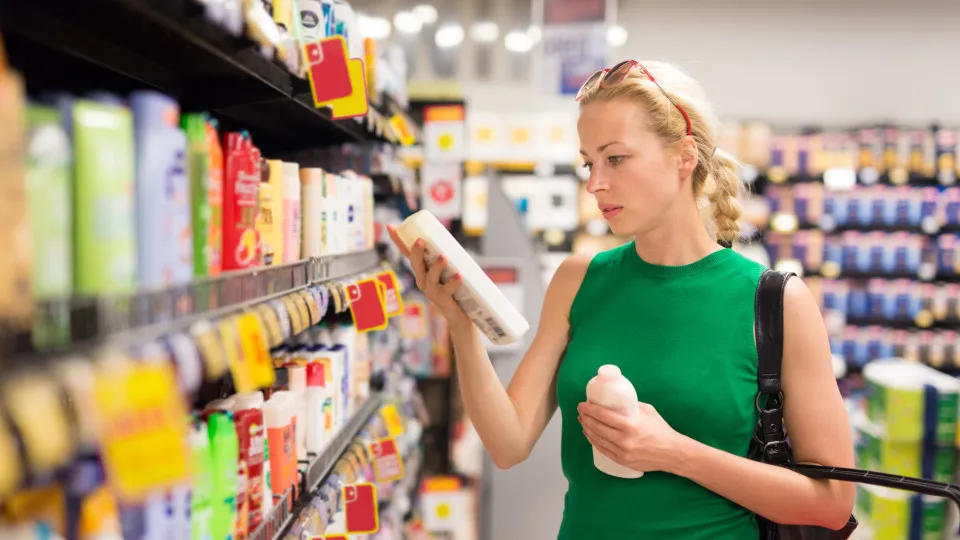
column 858, row 303
column 875, row 250
column 877, row 298
column 850, row 260
column 164, row 238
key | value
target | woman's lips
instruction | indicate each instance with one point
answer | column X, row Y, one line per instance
column 610, row 211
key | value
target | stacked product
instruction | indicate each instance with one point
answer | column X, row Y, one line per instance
column 908, row 427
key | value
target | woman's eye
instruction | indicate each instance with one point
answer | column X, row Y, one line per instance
column 587, row 166
column 614, row 160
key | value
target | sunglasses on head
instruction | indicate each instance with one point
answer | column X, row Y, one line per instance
column 608, row 78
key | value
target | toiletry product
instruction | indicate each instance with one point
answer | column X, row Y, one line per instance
column 609, row 388
column 478, row 296
column 215, row 199
column 250, row 433
column 241, row 192
column 316, row 394
column 292, row 229
column 224, row 448
column 198, row 156
column 297, row 377
column 314, row 15
column 270, row 218
column 105, row 256
column 312, row 198
column 49, row 207
column 280, row 436
column 164, row 233
column 201, row 500
column 345, row 24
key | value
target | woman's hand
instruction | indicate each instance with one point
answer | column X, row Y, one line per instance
column 428, row 281
column 644, row 442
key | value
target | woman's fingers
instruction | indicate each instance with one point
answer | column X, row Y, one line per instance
column 433, row 275
column 602, row 444
column 451, row 286
column 398, row 241
column 419, row 264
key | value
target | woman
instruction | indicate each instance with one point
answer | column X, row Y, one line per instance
column 675, row 311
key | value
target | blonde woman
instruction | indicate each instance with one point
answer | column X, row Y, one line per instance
column 674, row 310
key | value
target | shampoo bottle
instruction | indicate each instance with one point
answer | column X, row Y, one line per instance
column 268, row 221
column 291, row 212
column 241, row 193
column 225, row 452
column 198, row 156
column 612, row 390
column 215, row 199
column 201, row 501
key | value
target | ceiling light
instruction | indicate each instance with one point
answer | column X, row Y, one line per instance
column 535, row 34
column 407, row 22
column 616, row 36
column 426, row 13
column 518, row 42
column 373, row 27
column 485, row 31
column 449, row 36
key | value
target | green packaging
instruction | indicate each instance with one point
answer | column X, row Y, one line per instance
column 105, row 251
column 49, row 211
column 198, row 160
column 934, row 518
column 201, row 501
column 225, row 452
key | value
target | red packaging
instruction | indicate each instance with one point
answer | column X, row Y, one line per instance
column 241, row 203
column 250, row 432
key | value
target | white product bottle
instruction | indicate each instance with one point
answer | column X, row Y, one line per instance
column 298, row 388
column 292, row 232
column 316, row 395
column 612, row 390
column 478, row 296
column 311, row 199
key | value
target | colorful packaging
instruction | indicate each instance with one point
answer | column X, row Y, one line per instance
column 283, row 461
column 241, row 203
column 292, row 230
column 215, row 199
column 198, row 156
column 201, row 500
column 250, row 432
column 269, row 220
column 105, row 254
column 224, row 447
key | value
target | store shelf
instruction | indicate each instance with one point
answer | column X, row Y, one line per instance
column 142, row 315
column 169, row 45
column 320, row 466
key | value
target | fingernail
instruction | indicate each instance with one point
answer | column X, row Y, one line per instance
column 441, row 258
column 420, row 242
column 458, row 277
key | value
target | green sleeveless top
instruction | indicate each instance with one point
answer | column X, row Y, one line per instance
column 683, row 335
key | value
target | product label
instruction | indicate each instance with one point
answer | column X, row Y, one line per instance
column 361, row 509
column 367, row 305
column 392, row 297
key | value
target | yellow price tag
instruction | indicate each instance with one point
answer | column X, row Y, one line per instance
column 143, row 428
column 236, row 359
column 271, row 324
column 304, row 311
column 210, row 345
column 387, row 461
column 296, row 319
column 392, row 419
column 312, row 307
column 255, row 350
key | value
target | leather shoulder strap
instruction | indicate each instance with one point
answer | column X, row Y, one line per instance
column 768, row 330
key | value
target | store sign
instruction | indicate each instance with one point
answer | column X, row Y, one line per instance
column 441, row 185
column 571, row 55
column 444, row 133
column 487, row 138
column 573, row 11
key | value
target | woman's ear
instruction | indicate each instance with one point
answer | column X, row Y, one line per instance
column 689, row 156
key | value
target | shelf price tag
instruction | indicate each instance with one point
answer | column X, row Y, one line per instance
column 240, row 368
column 387, row 461
column 255, row 350
column 313, row 306
column 367, row 306
column 360, row 507
column 392, row 297
column 414, row 322
column 142, row 428
column 392, row 419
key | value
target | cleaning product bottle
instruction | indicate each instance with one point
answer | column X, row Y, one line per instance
column 50, row 216
column 291, row 212
column 164, row 237
column 224, row 448
column 105, row 245
column 198, row 156
column 269, row 221
column 215, row 199
column 478, row 296
column 609, row 388
column 241, row 202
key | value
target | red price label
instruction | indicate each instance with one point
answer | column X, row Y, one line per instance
column 387, row 462
column 414, row 322
column 442, row 191
column 367, row 305
column 391, row 295
column 360, row 508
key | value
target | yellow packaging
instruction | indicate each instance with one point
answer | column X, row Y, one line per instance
column 270, row 219
column 35, row 405
column 42, row 505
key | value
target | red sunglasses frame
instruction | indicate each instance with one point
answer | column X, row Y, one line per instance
column 601, row 76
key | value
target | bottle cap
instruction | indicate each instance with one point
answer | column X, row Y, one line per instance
column 609, row 370
column 315, row 374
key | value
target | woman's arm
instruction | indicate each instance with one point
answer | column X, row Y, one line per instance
column 508, row 420
column 814, row 412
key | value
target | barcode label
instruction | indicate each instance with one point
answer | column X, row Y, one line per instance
column 494, row 327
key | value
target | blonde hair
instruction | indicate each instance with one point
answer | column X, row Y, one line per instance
column 716, row 185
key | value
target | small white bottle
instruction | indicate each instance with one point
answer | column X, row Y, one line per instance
column 298, row 390
column 612, row 390
column 478, row 296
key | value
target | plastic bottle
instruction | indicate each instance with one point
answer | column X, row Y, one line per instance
column 198, row 156
column 215, row 198
column 241, row 192
column 297, row 375
column 224, row 448
column 291, row 212
column 612, row 390
column 311, row 198
column 201, row 502
column 269, row 225
column 315, row 396
column 478, row 296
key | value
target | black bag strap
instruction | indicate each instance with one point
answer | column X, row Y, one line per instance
column 768, row 333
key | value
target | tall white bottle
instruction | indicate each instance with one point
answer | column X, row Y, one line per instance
column 612, row 390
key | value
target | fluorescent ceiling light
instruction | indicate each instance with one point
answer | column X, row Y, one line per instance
column 373, row 27
column 426, row 13
column 484, row 31
column 407, row 22
column 616, row 36
column 449, row 36
column 535, row 34
column 518, row 42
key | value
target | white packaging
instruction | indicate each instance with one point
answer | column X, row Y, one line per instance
column 311, row 200
column 298, row 387
column 292, row 220
column 368, row 211
column 315, row 397
column 478, row 296
column 609, row 388
column 313, row 27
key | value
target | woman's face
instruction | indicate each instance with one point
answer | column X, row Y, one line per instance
column 635, row 179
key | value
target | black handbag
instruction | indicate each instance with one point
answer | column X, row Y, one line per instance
column 770, row 444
